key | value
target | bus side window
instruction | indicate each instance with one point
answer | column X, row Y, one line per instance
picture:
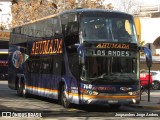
column 37, row 66
column 71, row 36
column 53, row 27
column 49, row 28
column 57, row 28
column 32, row 66
column 46, row 66
column 72, row 28
column 70, row 31
column 30, row 30
column 17, row 30
column 40, row 29
column 64, row 29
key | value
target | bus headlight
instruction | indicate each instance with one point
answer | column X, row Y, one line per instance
column 95, row 93
column 90, row 92
column 133, row 93
column 134, row 101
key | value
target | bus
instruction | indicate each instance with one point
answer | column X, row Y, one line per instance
column 81, row 56
column 3, row 60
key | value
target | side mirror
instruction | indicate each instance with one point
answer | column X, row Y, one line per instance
column 148, row 55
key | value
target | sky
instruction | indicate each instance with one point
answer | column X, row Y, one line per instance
column 145, row 2
column 149, row 2
column 5, row 6
column 5, row 13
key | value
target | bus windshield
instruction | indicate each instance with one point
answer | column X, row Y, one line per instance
column 106, row 28
column 111, row 68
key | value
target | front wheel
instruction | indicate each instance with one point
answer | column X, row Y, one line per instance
column 156, row 85
column 64, row 100
column 21, row 89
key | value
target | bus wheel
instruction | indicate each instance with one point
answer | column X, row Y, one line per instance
column 24, row 93
column 64, row 100
column 19, row 88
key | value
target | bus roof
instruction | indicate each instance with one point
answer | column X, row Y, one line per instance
column 81, row 10
column 36, row 20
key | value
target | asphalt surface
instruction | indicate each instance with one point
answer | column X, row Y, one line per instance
column 149, row 102
column 51, row 110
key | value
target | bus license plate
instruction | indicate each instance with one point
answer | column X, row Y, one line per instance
column 112, row 101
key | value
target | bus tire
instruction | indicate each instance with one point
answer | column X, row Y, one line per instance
column 24, row 92
column 63, row 98
column 19, row 88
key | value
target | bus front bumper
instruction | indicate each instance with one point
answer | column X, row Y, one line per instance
column 112, row 101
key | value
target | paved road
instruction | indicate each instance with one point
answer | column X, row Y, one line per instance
column 47, row 108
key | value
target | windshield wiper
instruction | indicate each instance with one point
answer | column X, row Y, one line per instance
column 103, row 76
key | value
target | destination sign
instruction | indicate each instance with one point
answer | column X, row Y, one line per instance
column 113, row 45
column 110, row 53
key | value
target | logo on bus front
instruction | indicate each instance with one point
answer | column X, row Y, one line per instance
column 17, row 59
column 113, row 45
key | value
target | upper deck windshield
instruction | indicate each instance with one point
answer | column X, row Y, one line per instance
column 103, row 27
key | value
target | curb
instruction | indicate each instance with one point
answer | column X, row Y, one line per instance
column 145, row 106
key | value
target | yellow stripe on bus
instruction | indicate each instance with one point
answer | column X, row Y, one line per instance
column 42, row 89
column 111, row 97
column 86, row 96
column 3, row 52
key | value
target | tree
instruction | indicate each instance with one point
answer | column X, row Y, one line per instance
column 28, row 10
column 2, row 27
column 129, row 6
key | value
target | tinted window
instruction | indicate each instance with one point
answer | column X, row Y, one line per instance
column 70, row 30
column 100, row 27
